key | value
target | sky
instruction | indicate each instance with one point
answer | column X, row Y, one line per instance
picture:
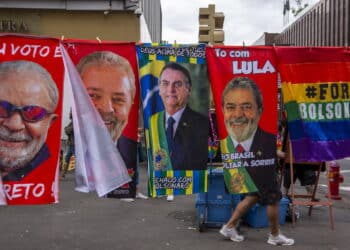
column 245, row 20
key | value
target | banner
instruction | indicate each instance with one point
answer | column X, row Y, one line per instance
column 175, row 96
column 2, row 194
column 108, row 72
column 315, row 86
column 31, row 83
column 244, row 85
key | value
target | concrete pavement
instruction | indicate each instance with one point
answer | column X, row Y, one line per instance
column 84, row 221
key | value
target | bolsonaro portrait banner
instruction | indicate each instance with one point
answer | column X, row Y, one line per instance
column 175, row 99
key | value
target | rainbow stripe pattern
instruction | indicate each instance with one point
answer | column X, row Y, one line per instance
column 316, row 96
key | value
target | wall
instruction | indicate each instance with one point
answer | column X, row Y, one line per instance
column 120, row 26
column 326, row 24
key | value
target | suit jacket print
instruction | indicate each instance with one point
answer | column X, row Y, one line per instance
column 262, row 168
column 190, row 148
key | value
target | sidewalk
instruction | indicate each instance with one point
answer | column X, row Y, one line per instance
column 86, row 222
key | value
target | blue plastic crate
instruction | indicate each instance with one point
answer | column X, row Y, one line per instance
column 214, row 213
column 257, row 215
column 216, row 186
column 214, row 208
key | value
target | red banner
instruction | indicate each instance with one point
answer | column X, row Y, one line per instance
column 244, row 86
column 258, row 63
column 31, row 82
column 109, row 73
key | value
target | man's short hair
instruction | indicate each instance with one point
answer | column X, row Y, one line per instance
column 22, row 66
column 244, row 83
column 178, row 67
column 109, row 58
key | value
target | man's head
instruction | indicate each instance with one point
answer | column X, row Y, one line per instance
column 174, row 87
column 110, row 82
column 242, row 105
column 28, row 98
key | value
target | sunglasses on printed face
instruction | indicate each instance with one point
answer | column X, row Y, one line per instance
column 30, row 113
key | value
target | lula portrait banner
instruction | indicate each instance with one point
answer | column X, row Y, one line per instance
column 174, row 91
column 244, row 86
column 31, row 82
column 316, row 95
column 109, row 74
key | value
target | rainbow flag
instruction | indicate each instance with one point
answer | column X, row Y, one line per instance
column 316, row 96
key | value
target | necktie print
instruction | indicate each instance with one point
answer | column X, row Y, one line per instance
column 239, row 148
column 170, row 133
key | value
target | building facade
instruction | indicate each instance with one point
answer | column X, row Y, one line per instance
column 266, row 39
column 112, row 20
column 327, row 23
column 211, row 26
